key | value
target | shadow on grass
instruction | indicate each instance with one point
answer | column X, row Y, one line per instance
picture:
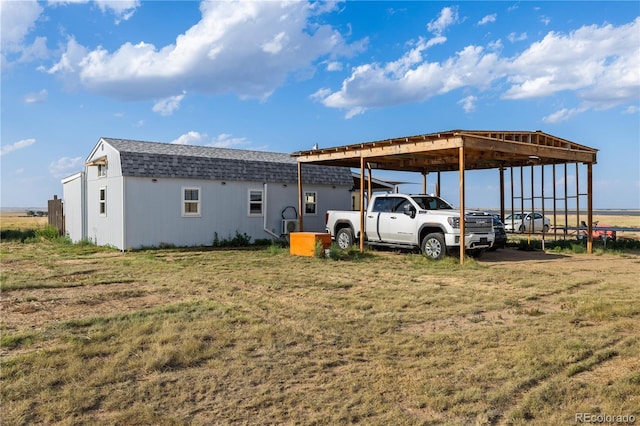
column 517, row 255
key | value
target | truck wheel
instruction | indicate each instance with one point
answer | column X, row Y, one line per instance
column 433, row 246
column 344, row 238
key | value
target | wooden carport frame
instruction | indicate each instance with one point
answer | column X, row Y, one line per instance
column 457, row 150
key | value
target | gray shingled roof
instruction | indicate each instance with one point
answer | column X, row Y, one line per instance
column 163, row 160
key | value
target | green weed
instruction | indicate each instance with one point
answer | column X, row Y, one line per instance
column 13, row 341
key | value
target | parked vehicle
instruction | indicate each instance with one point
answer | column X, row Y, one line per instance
column 500, row 240
column 522, row 222
column 501, row 234
column 426, row 222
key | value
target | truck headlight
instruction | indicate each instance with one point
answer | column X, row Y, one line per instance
column 454, row 222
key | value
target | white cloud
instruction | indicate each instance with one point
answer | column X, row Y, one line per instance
column 448, row 16
column 495, row 45
column 334, row 66
column 513, row 37
column 276, row 44
column 632, row 109
column 16, row 146
column 70, row 59
column 598, row 64
column 65, row 166
column 215, row 56
column 223, row 140
column 191, row 138
column 563, row 115
column 227, row 141
column 122, row 9
column 411, row 79
column 488, row 19
column 37, row 97
column 468, row 103
column 18, row 18
column 168, row 105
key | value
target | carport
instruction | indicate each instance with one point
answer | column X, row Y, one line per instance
column 462, row 150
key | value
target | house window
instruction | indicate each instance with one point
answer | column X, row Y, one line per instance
column 102, row 170
column 310, row 203
column 255, row 202
column 191, row 202
column 102, row 202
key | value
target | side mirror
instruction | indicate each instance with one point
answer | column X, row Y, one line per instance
column 410, row 211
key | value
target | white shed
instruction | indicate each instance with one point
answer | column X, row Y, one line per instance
column 135, row 194
column 74, row 207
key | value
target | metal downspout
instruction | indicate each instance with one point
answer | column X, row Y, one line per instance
column 264, row 225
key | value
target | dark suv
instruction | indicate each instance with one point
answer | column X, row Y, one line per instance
column 501, row 234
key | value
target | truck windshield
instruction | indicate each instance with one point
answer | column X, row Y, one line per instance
column 431, row 203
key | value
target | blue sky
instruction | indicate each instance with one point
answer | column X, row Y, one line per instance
column 284, row 76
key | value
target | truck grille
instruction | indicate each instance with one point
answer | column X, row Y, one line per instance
column 478, row 225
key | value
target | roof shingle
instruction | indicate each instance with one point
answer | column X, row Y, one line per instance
column 163, row 160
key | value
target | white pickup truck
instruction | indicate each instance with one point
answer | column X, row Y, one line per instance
column 412, row 221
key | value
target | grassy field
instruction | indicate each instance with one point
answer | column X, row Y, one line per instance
column 19, row 221
column 256, row 336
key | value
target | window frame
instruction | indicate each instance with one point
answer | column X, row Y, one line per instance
column 251, row 202
column 381, row 205
column 313, row 203
column 102, row 170
column 102, row 201
column 185, row 201
column 401, row 207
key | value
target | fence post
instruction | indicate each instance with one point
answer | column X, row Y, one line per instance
column 56, row 214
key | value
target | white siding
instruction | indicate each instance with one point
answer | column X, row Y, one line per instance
column 154, row 211
column 74, row 207
column 105, row 229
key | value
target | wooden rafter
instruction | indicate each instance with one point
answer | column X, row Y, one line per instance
column 439, row 151
column 102, row 161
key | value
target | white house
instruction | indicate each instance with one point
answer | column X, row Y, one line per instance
column 135, row 194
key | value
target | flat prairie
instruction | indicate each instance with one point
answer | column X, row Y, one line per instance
column 20, row 221
column 256, row 336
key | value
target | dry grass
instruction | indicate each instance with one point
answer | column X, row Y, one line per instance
column 260, row 337
column 624, row 221
column 20, row 221
column 613, row 220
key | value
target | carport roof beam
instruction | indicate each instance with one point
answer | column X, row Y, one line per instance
column 438, row 151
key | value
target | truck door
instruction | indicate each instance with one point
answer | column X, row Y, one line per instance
column 395, row 225
column 372, row 218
